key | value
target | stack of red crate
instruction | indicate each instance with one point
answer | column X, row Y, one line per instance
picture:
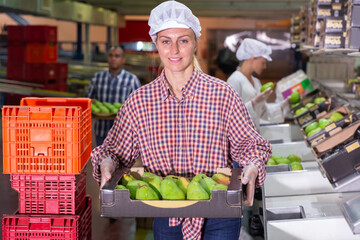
column 46, row 145
column 32, row 57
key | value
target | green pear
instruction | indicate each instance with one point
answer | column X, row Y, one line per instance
column 311, row 127
column 181, row 182
column 207, row 183
column 336, row 116
column 133, row 186
column 300, row 111
column 219, row 187
column 146, row 193
column 153, row 180
column 126, row 179
column 295, row 166
column 319, row 100
column 323, row 122
column 283, row 160
column 221, row 178
column 294, row 158
column 271, row 162
column 314, row 131
column 120, row 187
column 170, row 191
column 196, row 192
column 198, row 177
column 309, row 105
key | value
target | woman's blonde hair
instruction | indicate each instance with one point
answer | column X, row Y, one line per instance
column 196, row 63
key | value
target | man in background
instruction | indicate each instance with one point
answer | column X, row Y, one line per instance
column 113, row 85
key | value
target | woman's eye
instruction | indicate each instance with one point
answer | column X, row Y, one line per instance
column 183, row 41
column 165, row 42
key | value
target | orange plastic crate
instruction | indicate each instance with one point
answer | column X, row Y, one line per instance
column 47, row 136
column 50, row 193
column 51, row 227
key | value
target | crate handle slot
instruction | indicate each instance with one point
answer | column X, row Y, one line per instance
column 357, row 167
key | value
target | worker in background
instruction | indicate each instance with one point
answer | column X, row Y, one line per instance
column 253, row 56
column 183, row 123
column 113, row 85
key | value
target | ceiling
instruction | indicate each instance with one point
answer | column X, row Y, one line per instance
column 265, row 9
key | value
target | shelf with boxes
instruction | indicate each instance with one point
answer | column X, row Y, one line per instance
column 46, row 145
column 333, row 27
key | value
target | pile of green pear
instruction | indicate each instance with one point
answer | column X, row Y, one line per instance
column 301, row 110
column 317, row 126
column 105, row 107
column 292, row 159
column 153, row 187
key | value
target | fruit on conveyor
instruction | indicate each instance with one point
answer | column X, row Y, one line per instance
column 292, row 159
column 319, row 100
column 300, row 111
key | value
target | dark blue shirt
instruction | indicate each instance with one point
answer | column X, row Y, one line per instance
column 105, row 88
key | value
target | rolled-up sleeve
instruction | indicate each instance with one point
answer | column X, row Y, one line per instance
column 121, row 143
column 246, row 144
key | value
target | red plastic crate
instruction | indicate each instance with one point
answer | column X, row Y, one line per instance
column 47, row 136
column 50, row 193
column 40, row 53
column 32, row 34
column 41, row 72
column 58, row 85
column 16, row 53
column 61, row 70
column 16, row 71
column 50, row 227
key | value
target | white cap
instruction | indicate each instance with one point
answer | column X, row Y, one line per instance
column 172, row 14
column 253, row 48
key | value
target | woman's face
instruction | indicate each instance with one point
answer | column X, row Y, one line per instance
column 176, row 47
column 259, row 65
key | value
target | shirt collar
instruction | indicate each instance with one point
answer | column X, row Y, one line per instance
column 188, row 90
column 118, row 74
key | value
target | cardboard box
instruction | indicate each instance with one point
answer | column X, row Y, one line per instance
column 335, row 24
column 309, row 98
column 312, row 112
column 338, row 156
column 333, row 40
column 332, row 128
column 223, row 204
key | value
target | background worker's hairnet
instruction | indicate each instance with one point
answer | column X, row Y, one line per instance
column 253, row 48
column 172, row 14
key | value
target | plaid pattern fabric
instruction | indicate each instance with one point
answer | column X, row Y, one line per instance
column 208, row 128
column 106, row 88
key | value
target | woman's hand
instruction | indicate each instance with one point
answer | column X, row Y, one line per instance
column 248, row 179
column 107, row 168
column 261, row 97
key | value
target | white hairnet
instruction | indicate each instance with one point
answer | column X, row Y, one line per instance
column 253, row 48
column 172, row 14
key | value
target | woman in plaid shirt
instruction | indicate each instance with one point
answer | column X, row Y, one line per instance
column 183, row 123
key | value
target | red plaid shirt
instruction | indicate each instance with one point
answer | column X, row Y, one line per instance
column 208, row 128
